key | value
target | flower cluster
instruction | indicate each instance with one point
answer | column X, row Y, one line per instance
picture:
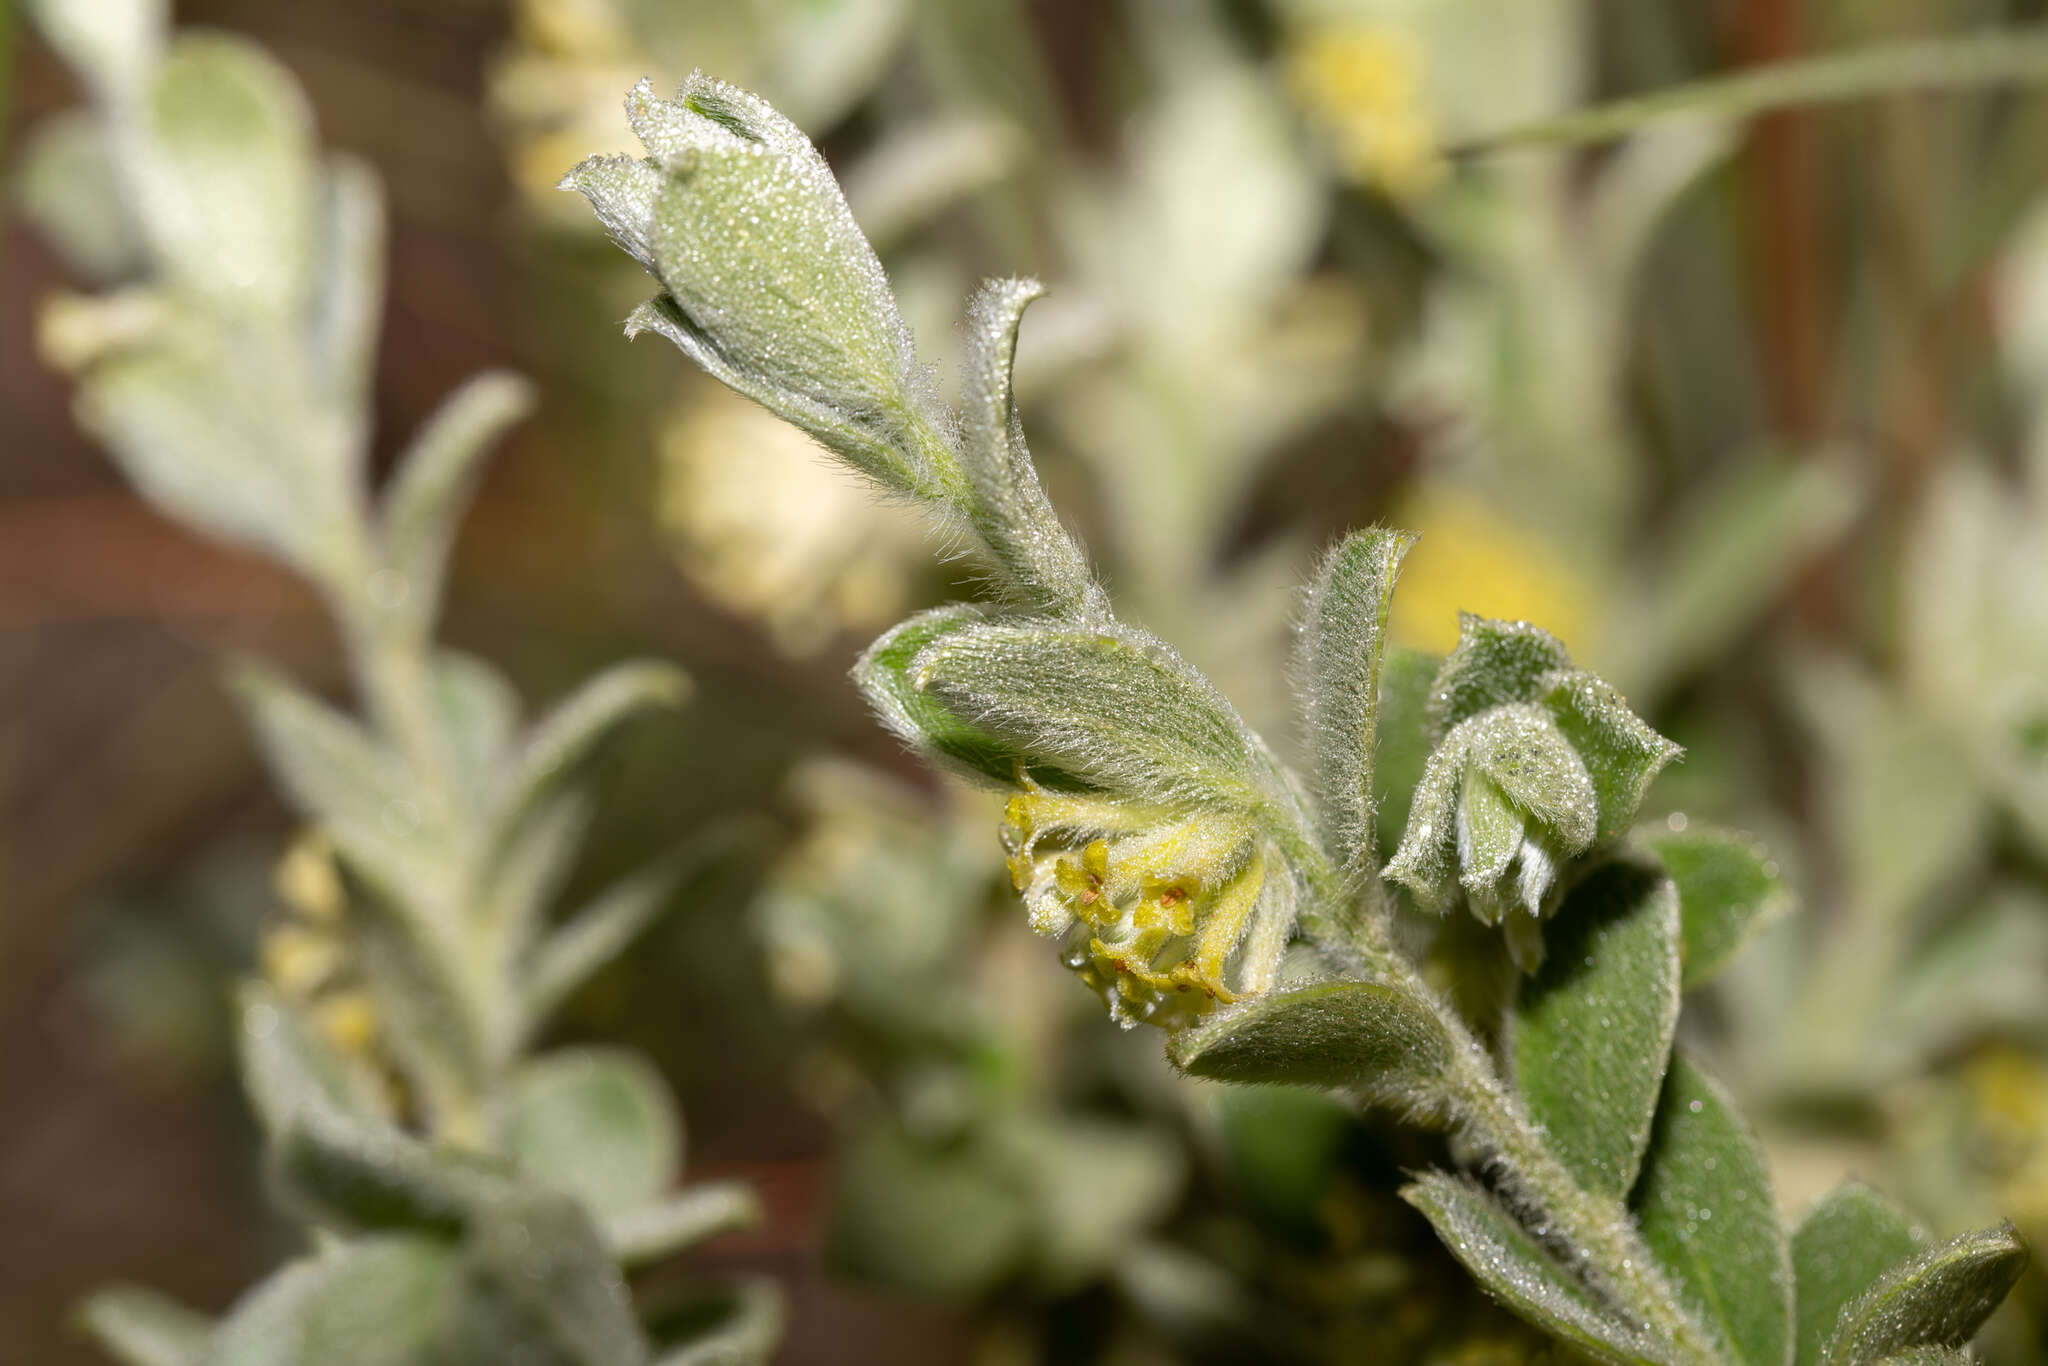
column 1165, row 914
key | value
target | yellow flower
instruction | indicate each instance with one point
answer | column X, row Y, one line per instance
column 1364, row 85
column 349, row 1020
column 1468, row 558
column 1165, row 913
column 298, row 961
column 306, row 880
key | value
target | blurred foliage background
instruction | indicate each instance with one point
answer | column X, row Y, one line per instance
column 1755, row 418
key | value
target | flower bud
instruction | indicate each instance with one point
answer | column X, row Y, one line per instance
column 1535, row 763
column 766, row 280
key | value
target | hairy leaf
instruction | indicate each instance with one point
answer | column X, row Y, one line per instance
column 1349, row 1034
column 596, row 934
column 1620, row 751
column 1515, row 1269
column 219, row 428
column 1938, row 1299
column 1495, row 662
column 1848, row 1239
column 479, row 713
column 143, row 1328
column 1338, row 670
column 1592, row 1033
column 1704, row 1204
column 64, row 183
column 1406, row 677
column 436, row 476
column 227, row 185
column 111, row 43
column 537, row 1286
column 379, row 1301
column 348, row 285
column 748, row 1336
column 920, row 719
column 647, row 1233
column 288, row 1069
column 1042, row 566
column 361, row 793
column 598, row 1124
column 1117, row 707
column 571, row 728
column 1728, row 889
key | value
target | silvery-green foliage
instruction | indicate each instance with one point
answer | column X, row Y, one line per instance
column 481, row 1201
column 1614, row 1197
column 1534, row 763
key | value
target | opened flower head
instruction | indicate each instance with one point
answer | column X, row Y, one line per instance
column 1166, row 914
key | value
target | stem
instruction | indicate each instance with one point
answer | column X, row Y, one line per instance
column 1599, row 1231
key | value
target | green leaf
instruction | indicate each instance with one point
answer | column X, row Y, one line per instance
column 1115, row 706
column 367, row 1177
column 1406, row 678
column 113, row 44
column 1938, row 1299
column 64, row 183
column 1083, row 1227
column 1929, row 1356
column 768, row 283
column 436, row 477
column 140, row 1327
column 217, row 427
column 1728, row 889
column 1704, row 1205
column 479, row 713
column 650, row 1232
column 225, row 180
column 1847, row 1240
column 919, row 719
column 1516, row 1270
column 1592, row 1033
column 1620, row 751
column 380, row 1301
column 936, row 1220
column 348, row 285
column 360, row 792
column 747, row 1336
column 1338, row 667
column 1042, row 567
column 1367, row 1035
column 600, row 931
column 539, row 1288
column 538, row 855
column 288, row 1069
column 573, row 726
column 1494, row 663
column 598, row 1124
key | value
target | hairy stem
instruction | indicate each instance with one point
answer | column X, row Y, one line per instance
column 1600, row 1232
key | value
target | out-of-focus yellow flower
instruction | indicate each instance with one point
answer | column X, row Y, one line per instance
column 1365, row 86
column 306, row 880
column 767, row 527
column 298, row 960
column 1467, row 558
column 2008, row 1088
column 349, row 1020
